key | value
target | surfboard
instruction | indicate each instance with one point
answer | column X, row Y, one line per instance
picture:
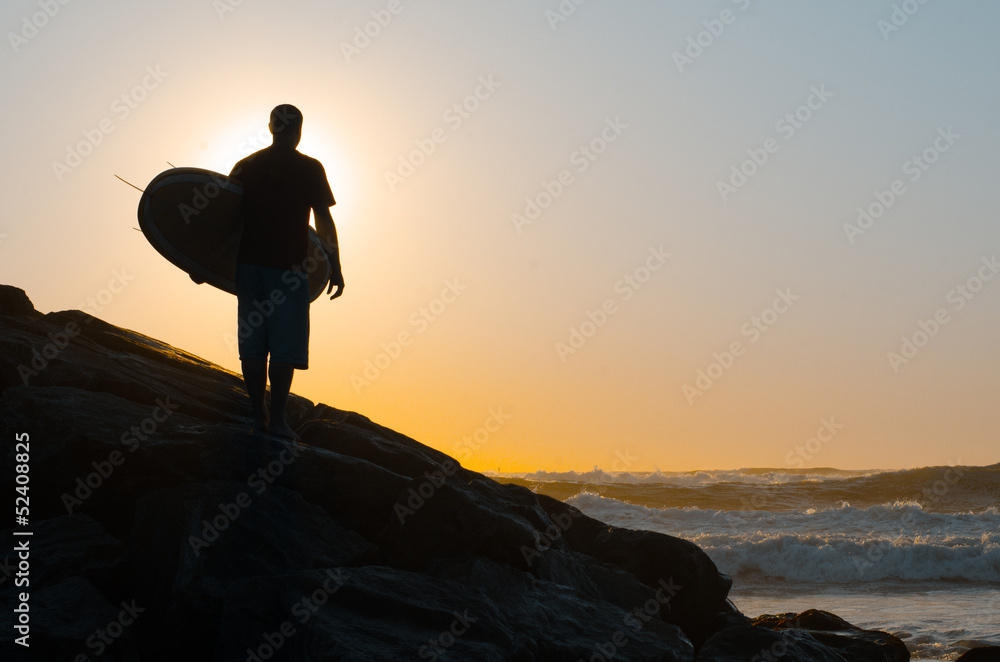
column 191, row 217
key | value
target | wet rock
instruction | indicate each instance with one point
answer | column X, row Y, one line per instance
column 981, row 654
column 851, row 642
column 759, row 643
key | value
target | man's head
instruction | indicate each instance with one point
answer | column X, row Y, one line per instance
column 286, row 125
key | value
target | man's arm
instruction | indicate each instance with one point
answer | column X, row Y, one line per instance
column 327, row 231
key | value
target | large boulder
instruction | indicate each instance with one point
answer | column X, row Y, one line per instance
column 851, row 642
column 698, row 590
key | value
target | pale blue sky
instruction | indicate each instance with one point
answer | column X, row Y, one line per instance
column 655, row 185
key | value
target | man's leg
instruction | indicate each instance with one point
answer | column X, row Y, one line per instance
column 281, row 385
column 252, row 336
column 255, row 378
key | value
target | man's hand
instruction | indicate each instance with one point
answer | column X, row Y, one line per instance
column 327, row 231
column 336, row 280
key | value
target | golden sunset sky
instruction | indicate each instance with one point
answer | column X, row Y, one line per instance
column 634, row 235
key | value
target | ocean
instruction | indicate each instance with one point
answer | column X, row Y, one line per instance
column 913, row 552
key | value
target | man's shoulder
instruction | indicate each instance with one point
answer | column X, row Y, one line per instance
column 246, row 162
column 308, row 161
column 290, row 160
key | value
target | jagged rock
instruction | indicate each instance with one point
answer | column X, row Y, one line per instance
column 14, row 301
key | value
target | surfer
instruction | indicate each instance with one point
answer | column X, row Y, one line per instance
column 280, row 187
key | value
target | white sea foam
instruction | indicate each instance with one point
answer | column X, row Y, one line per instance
column 914, row 552
column 598, row 476
column 893, row 541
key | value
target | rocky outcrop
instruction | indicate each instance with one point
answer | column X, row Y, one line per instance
column 164, row 531
column 981, row 654
column 850, row 641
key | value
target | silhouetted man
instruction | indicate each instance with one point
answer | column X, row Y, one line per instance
column 280, row 187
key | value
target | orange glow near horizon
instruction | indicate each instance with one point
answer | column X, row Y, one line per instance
column 538, row 203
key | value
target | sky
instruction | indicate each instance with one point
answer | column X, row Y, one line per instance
column 641, row 235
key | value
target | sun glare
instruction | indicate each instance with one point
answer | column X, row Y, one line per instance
column 320, row 144
column 238, row 139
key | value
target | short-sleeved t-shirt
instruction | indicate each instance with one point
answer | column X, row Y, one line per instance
column 280, row 186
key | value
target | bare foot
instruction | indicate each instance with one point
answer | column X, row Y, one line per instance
column 280, row 429
column 259, row 423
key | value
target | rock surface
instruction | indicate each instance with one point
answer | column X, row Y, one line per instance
column 981, row 654
column 163, row 531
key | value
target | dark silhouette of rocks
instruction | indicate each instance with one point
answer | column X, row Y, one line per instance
column 163, row 531
column 981, row 654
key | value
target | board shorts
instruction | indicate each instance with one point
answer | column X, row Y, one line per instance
column 273, row 314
